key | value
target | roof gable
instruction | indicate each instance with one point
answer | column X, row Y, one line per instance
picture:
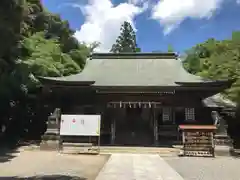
column 139, row 69
column 135, row 70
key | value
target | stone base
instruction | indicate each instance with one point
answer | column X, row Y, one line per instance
column 52, row 137
column 223, row 139
column 49, row 145
column 222, row 150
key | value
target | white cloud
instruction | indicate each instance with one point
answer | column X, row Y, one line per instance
column 238, row 2
column 171, row 13
column 103, row 21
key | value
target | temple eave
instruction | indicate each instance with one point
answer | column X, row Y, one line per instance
column 219, row 83
column 62, row 82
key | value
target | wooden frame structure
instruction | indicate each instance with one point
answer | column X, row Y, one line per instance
column 198, row 140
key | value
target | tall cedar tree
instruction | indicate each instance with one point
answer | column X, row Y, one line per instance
column 126, row 41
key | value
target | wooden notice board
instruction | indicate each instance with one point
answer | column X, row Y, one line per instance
column 198, row 140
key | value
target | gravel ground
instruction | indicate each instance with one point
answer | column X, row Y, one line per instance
column 52, row 166
column 193, row 168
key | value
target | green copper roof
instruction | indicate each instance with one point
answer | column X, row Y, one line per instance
column 139, row 69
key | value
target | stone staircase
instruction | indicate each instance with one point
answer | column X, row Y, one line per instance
column 162, row 151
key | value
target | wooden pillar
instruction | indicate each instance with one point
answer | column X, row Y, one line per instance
column 183, row 140
column 113, row 130
column 155, row 126
column 173, row 115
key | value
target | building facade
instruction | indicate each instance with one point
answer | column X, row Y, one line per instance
column 142, row 97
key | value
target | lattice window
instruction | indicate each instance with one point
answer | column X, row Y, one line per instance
column 189, row 114
column 166, row 115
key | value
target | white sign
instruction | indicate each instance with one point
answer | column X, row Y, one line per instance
column 80, row 125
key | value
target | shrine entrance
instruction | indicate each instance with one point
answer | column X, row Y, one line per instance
column 134, row 124
column 133, row 129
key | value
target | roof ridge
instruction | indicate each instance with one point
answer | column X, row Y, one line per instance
column 167, row 55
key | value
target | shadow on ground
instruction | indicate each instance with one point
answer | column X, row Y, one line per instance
column 7, row 154
column 235, row 154
column 44, row 177
column 8, row 151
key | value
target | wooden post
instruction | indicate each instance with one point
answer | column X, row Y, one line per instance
column 173, row 115
column 155, row 123
column 183, row 140
column 113, row 131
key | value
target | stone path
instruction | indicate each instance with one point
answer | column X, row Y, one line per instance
column 137, row 167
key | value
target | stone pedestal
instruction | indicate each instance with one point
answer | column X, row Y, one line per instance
column 50, row 142
column 51, row 138
column 221, row 136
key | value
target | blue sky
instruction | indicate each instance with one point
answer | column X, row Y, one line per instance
column 181, row 23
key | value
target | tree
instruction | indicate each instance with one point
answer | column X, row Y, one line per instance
column 11, row 27
column 126, row 41
column 45, row 58
column 138, row 50
column 170, row 48
column 215, row 59
column 34, row 43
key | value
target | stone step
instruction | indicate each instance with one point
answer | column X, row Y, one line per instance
column 132, row 150
column 222, row 139
column 79, row 149
column 77, row 144
column 140, row 150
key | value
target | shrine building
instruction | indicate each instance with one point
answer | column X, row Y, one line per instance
column 141, row 97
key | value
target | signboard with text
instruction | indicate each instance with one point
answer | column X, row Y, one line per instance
column 80, row 125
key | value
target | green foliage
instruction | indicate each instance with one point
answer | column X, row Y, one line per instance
column 138, row 50
column 34, row 42
column 217, row 60
column 11, row 27
column 170, row 48
column 45, row 58
column 126, row 41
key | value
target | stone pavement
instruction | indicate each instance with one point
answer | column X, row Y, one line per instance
column 137, row 167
